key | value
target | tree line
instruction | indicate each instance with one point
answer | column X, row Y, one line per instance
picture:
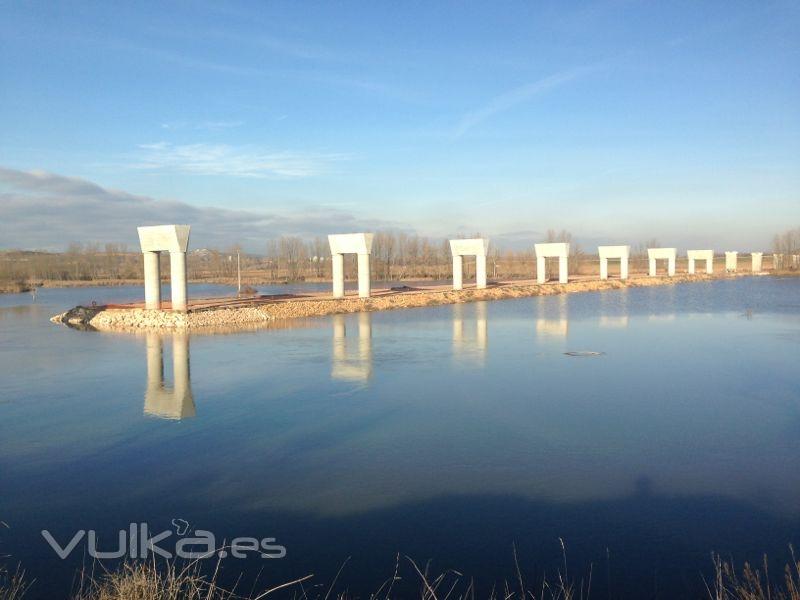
column 396, row 255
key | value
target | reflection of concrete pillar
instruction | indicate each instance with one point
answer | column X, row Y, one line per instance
column 623, row 267
column 480, row 271
column 563, row 269
column 481, row 325
column 363, row 276
column 756, row 261
column 458, row 272
column 339, row 333
column 337, row 260
column 347, row 364
column 470, row 347
column 458, row 323
column 603, row 268
column 152, row 280
column 177, row 267
column 365, row 338
column 671, row 266
column 541, row 275
column 652, row 267
column 180, row 367
column 155, row 361
column 176, row 402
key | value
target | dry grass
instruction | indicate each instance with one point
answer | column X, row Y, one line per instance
column 753, row 583
column 150, row 581
column 12, row 585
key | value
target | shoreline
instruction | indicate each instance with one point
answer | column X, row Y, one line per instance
column 266, row 311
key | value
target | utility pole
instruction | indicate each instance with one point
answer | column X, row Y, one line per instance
column 239, row 272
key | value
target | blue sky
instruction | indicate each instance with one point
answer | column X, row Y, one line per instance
column 619, row 121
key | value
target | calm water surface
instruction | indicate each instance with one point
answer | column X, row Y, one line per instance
column 449, row 433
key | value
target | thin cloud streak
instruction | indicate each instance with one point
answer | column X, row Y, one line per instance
column 232, row 161
column 520, row 95
column 201, row 125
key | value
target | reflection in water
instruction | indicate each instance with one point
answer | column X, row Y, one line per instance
column 610, row 322
column 159, row 400
column 554, row 319
column 469, row 346
column 614, row 309
column 352, row 364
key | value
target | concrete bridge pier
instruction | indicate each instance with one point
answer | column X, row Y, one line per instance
column 558, row 250
column 350, row 243
column 656, row 254
column 606, row 253
column 731, row 259
column 756, row 258
column 476, row 247
column 695, row 255
column 165, row 238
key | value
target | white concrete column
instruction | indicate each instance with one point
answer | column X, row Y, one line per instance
column 652, row 268
column 623, row 267
column 756, row 261
column 691, row 266
column 709, row 265
column 337, row 261
column 152, row 280
column 480, row 271
column 541, row 265
column 671, row 266
column 603, row 268
column 458, row 272
column 177, row 280
column 563, row 269
column 363, row 276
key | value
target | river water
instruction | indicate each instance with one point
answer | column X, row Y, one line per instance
column 452, row 434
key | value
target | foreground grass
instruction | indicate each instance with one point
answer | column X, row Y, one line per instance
column 754, row 583
column 13, row 586
column 150, row 581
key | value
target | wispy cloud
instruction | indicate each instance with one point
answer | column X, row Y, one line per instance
column 83, row 211
column 519, row 95
column 201, row 125
column 222, row 159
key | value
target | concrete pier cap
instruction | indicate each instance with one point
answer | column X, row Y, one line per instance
column 668, row 254
column 695, row 255
column 174, row 239
column 477, row 247
column 559, row 250
column 621, row 253
column 350, row 243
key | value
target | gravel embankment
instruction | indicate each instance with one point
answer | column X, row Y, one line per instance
column 264, row 311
